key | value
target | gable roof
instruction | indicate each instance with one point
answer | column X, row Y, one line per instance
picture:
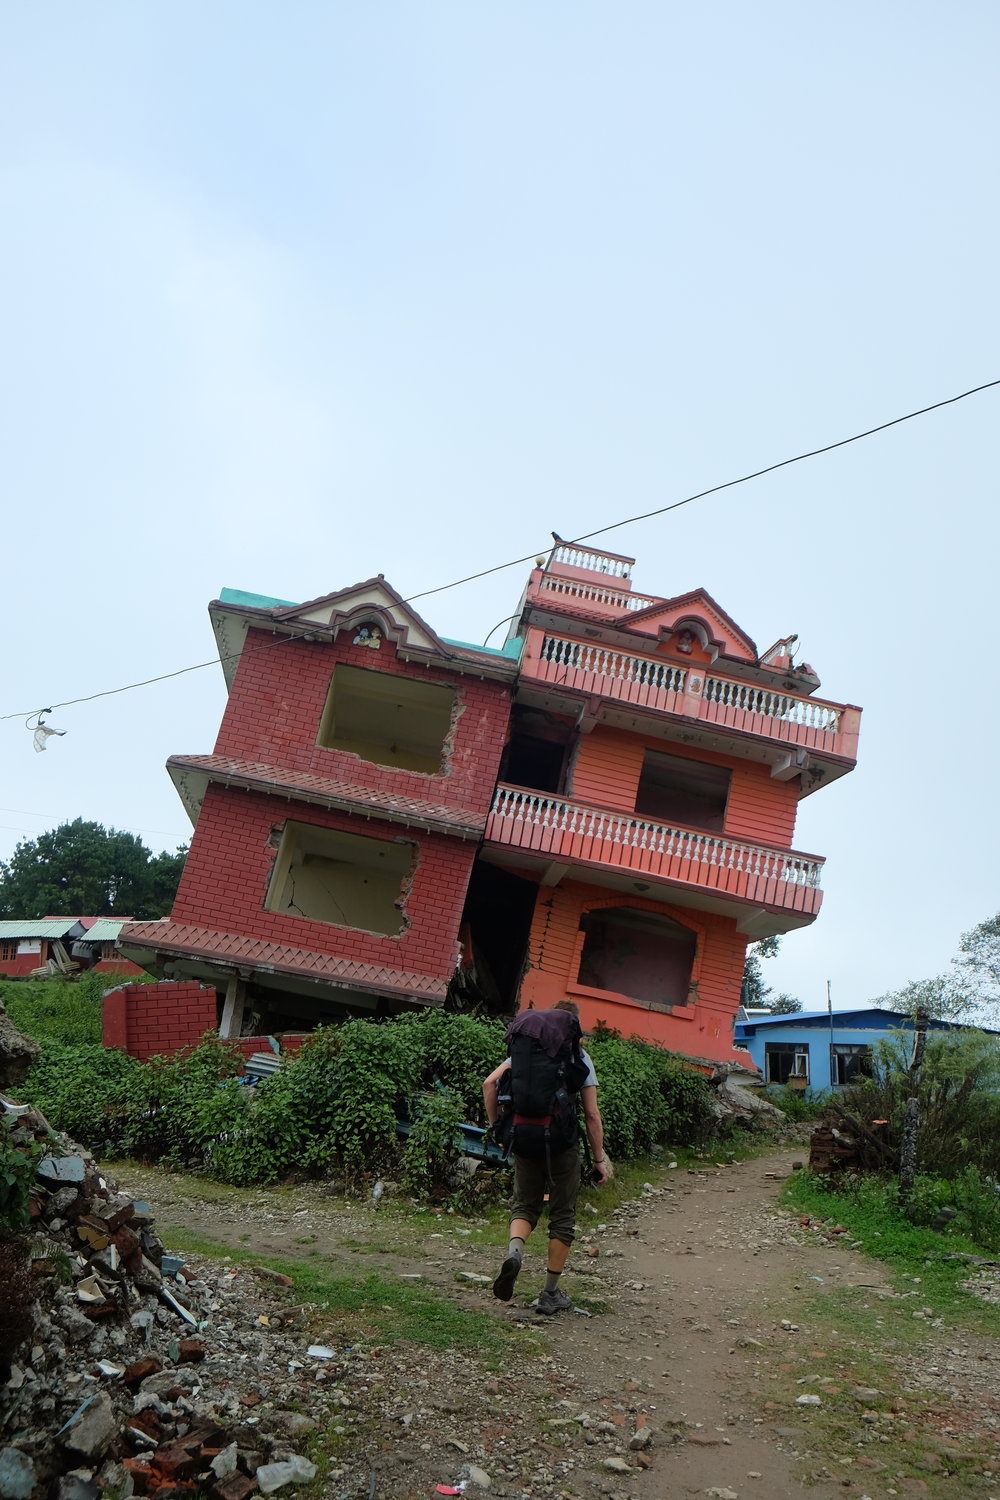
column 40, row 927
column 695, row 602
column 325, row 617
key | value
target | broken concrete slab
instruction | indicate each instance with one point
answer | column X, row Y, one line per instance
column 91, row 1428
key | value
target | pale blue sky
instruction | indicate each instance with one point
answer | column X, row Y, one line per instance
column 297, row 294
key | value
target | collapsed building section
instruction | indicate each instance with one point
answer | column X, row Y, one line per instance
column 604, row 809
column 338, row 818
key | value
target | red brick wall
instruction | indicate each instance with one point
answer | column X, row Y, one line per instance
column 609, row 762
column 146, row 1019
column 227, row 871
column 277, row 701
column 703, row 1029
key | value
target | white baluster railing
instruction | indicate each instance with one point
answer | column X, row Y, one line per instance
column 532, row 812
column 616, row 666
column 597, row 593
column 772, row 705
column 588, row 557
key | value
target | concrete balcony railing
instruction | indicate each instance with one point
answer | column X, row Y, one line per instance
column 559, row 829
column 651, row 682
column 586, row 593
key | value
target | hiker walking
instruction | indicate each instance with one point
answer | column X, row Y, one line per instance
column 531, row 1099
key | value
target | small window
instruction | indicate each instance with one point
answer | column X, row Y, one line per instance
column 8, row 949
column 640, row 954
column 683, row 791
column 787, row 1062
column 341, row 878
column 849, row 1063
column 388, row 719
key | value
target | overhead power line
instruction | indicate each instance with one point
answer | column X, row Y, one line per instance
column 514, row 562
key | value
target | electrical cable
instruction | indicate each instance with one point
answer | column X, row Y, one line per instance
column 514, row 562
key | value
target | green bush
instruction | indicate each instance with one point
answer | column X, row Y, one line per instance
column 67, row 1011
column 647, row 1095
column 434, row 1142
column 333, row 1108
column 17, row 1176
column 959, row 1095
column 797, row 1104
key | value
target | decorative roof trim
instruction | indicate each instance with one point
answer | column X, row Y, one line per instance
column 229, row 950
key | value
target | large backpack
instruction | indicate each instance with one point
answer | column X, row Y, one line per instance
column 538, row 1094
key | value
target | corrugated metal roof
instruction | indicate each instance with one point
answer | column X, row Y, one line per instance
column 104, row 930
column 40, row 927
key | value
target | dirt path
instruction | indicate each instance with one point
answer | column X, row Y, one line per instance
column 689, row 1285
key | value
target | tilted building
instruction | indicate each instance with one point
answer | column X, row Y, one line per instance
column 604, row 809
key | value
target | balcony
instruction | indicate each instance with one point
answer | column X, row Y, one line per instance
column 717, row 869
column 795, row 720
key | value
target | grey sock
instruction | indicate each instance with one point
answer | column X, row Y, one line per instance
column 516, row 1246
column 551, row 1281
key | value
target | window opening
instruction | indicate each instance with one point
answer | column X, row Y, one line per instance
column 787, row 1062
column 8, row 948
column 386, row 718
column 641, row 954
column 848, row 1063
column 343, row 878
column 535, row 755
column 683, row 791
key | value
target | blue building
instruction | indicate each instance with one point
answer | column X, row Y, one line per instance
column 812, row 1051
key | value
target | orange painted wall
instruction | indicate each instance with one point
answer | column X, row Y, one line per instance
column 702, row 1029
column 609, row 762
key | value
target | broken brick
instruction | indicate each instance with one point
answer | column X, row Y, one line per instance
column 141, row 1474
column 235, row 1486
column 139, row 1370
column 148, row 1422
column 189, row 1351
column 176, row 1461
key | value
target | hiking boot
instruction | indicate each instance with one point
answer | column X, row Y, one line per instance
column 503, row 1287
column 553, row 1302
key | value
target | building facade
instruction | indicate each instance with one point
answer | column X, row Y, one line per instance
column 649, row 790
column 604, row 809
column 815, row 1051
column 338, row 816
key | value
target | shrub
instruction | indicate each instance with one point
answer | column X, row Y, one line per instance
column 17, row 1175
column 798, row 1104
column 334, row 1106
column 434, row 1142
column 958, row 1094
column 647, row 1095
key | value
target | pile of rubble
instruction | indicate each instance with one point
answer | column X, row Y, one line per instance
column 142, row 1375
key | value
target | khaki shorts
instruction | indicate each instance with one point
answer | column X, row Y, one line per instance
column 530, row 1187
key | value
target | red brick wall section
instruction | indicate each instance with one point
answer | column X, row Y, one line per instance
column 277, row 701
column 609, row 762
column 226, row 877
column 703, row 1029
column 147, row 1019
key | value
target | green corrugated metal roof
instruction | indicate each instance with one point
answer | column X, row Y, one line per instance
column 512, row 649
column 257, row 601
column 104, row 930
column 41, row 927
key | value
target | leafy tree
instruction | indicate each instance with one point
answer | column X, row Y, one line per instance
column 978, row 961
column 784, row 1005
column 755, row 992
column 83, row 868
